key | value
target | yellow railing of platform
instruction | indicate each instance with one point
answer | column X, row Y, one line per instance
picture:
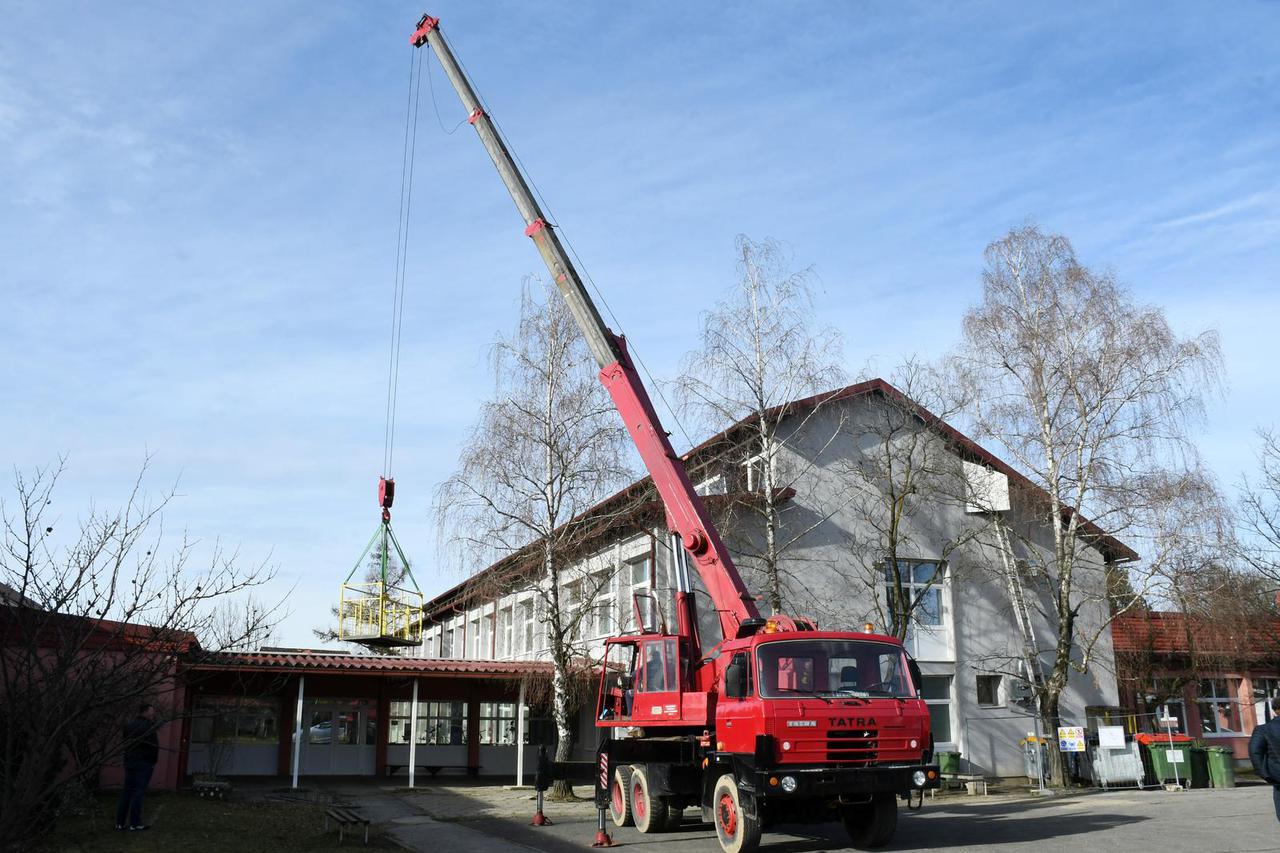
column 373, row 611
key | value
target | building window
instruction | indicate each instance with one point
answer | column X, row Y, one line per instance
column 439, row 723
column 922, row 586
column 1263, row 691
column 636, row 578
column 1219, row 711
column 474, row 630
column 989, row 690
column 486, row 638
column 540, row 621
column 526, row 626
column 497, row 723
column 505, row 633
column 711, row 486
column 232, row 719
column 936, row 692
column 604, row 606
column 755, row 472
column 1171, row 713
column 570, row 605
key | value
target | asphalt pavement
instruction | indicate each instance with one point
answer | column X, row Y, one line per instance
column 1209, row 821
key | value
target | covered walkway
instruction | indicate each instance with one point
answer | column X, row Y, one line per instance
column 302, row 714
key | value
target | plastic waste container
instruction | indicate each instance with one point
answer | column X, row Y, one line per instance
column 1199, row 768
column 1222, row 768
column 948, row 762
column 1166, row 767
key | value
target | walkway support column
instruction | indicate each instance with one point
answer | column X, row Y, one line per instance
column 413, row 732
column 520, row 737
column 297, row 731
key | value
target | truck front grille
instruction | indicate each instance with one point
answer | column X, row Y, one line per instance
column 852, row 746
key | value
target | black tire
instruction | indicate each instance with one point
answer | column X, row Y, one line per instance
column 871, row 825
column 648, row 812
column 736, row 832
column 620, row 797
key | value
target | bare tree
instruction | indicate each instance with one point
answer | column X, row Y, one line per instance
column 1259, row 510
column 548, row 446
column 1091, row 394
column 904, row 475
column 763, row 352
column 98, row 621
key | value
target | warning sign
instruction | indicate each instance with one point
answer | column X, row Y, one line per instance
column 1070, row 739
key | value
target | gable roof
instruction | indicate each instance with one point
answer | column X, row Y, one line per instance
column 964, row 446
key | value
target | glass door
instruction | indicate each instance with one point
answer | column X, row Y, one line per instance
column 340, row 737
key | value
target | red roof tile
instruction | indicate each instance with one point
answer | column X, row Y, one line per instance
column 1171, row 633
column 379, row 664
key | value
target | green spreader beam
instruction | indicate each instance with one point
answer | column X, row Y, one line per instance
column 386, row 534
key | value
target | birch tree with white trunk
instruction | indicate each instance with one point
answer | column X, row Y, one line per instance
column 547, row 446
column 1092, row 395
column 762, row 350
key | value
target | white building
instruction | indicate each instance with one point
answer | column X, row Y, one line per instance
column 964, row 631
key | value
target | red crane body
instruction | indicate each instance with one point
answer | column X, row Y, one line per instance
column 752, row 725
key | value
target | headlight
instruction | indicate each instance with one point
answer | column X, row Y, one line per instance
column 788, row 784
column 918, row 779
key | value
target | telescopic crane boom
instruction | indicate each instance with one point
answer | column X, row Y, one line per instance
column 686, row 514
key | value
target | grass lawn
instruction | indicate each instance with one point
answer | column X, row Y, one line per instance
column 186, row 822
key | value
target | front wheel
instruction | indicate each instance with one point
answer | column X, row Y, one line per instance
column 871, row 825
column 620, row 797
column 736, row 832
column 648, row 811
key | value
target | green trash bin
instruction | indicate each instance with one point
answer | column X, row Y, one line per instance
column 1222, row 768
column 949, row 762
column 1163, row 770
column 1199, row 767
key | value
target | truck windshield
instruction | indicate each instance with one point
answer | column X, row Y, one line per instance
column 832, row 668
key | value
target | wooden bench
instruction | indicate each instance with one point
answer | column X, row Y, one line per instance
column 972, row 782
column 433, row 769
column 345, row 819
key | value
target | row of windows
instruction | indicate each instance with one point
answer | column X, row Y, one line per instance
column 592, row 607
column 445, row 724
column 610, row 609
column 1219, row 705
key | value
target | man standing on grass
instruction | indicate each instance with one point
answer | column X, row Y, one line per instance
column 1264, row 751
column 141, row 750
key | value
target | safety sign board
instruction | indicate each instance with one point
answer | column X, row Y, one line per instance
column 1071, row 739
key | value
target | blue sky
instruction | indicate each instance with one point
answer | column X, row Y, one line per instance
column 198, row 216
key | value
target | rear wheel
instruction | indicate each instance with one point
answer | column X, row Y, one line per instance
column 648, row 811
column 736, row 832
column 871, row 825
column 620, row 796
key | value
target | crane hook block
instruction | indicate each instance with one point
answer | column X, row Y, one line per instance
column 386, row 492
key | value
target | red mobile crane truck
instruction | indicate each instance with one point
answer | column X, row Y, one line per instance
column 772, row 720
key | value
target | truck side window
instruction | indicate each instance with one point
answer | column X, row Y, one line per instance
column 742, row 661
column 654, row 678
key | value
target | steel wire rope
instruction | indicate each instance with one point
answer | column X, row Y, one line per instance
column 402, row 255
column 537, row 191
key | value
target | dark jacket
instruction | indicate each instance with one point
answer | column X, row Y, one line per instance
column 141, row 746
column 1264, row 751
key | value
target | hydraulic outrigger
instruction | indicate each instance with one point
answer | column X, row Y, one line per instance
column 774, row 719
